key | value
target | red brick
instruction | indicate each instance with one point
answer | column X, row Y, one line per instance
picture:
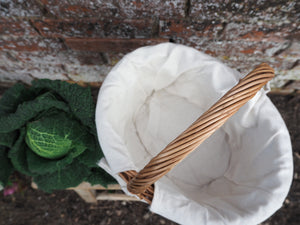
column 31, row 44
column 109, row 45
column 16, row 28
column 115, row 28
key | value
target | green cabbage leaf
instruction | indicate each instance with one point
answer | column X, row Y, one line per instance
column 48, row 132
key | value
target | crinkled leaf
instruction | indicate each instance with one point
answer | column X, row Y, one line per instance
column 56, row 135
column 71, row 176
column 39, row 165
column 6, row 167
column 64, row 127
column 8, row 139
column 78, row 98
column 47, row 113
column 17, row 154
column 28, row 110
column 93, row 153
column 99, row 176
column 15, row 96
column 45, row 140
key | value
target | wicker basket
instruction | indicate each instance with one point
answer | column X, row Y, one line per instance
column 141, row 183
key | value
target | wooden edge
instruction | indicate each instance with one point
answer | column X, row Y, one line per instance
column 87, row 195
column 88, row 192
column 87, row 186
column 284, row 92
column 115, row 197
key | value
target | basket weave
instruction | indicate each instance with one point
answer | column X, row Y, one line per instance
column 142, row 183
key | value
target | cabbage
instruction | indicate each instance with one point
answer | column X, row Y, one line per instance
column 48, row 132
column 46, row 138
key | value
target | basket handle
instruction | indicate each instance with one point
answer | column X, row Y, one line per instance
column 140, row 183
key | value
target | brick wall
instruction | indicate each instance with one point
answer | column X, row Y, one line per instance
column 80, row 40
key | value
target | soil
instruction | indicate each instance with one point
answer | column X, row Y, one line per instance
column 28, row 206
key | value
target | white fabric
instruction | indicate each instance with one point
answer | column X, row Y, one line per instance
column 240, row 175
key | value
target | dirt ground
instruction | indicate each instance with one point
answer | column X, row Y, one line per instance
column 30, row 207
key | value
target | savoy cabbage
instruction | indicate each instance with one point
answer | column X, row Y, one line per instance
column 47, row 131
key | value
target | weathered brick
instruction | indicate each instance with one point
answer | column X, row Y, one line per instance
column 9, row 76
column 31, row 44
column 11, row 69
column 80, row 8
column 88, row 67
column 20, row 8
column 16, row 28
column 232, row 39
column 192, row 33
column 87, row 73
column 240, row 33
column 265, row 32
column 150, row 8
column 280, row 11
column 84, row 58
column 114, row 57
column 295, row 85
column 216, row 30
column 116, row 9
column 59, row 58
column 189, row 28
column 127, row 28
column 293, row 52
column 109, row 45
column 288, row 64
column 46, row 64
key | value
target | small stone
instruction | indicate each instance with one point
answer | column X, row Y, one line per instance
column 296, row 176
column 146, row 216
column 161, row 221
column 119, row 212
column 287, row 201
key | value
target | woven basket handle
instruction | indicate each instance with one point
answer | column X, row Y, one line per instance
column 140, row 183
